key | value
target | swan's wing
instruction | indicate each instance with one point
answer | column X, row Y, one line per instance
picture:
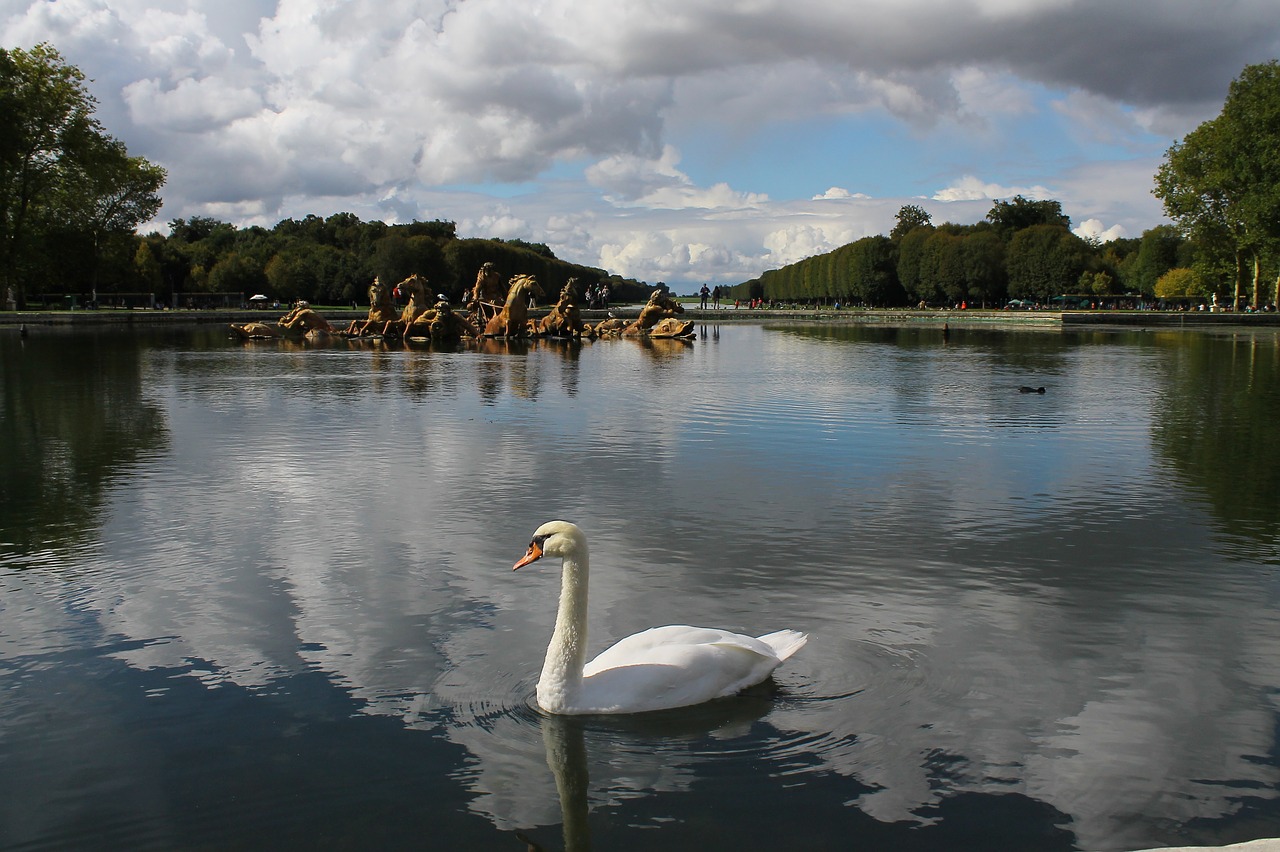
column 674, row 666
column 639, row 646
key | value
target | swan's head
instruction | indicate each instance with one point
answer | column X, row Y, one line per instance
column 554, row 538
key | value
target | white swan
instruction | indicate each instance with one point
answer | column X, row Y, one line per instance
column 661, row 668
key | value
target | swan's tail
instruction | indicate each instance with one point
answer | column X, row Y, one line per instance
column 785, row 642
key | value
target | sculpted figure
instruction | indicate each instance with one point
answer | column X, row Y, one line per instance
column 303, row 318
column 256, row 330
column 441, row 323
column 671, row 327
column 565, row 318
column 611, row 327
column 486, row 297
column 381, row 310
column 660, row 307
column 512, row 320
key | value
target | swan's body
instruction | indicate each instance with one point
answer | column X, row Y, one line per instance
column 661, row 668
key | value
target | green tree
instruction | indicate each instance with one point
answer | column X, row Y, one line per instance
column 1044, row 261
column 910, row 258
column 59, row 170
column 1018, row 213
column 909, row 217
column 1157, row 254
column 873, row 273
column 942, row 266
column 983, row 254
column 237, row 273
column 149, row 275
column 1221, row 182
column 1098, row 283
column 1180, row 283
column 105, row 194
column 1119, row 257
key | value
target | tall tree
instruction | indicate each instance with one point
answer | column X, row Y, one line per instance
column 104, row 194
column 1018, row 212
column 873, row 272
column 1044, row 261
column 1221, row 182
column 910, row 217
column 984, row 258
column 942, row 265
column 1157, row 254
column 1201, row 196
column 909, row 268
column 1252, row 111
column 58, row 168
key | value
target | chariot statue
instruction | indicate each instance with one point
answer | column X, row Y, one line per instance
column 381, row 311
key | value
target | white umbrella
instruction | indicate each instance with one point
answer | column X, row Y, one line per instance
column 258, row 298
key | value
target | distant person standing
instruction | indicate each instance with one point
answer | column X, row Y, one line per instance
column 715, row 297
column 705, row 293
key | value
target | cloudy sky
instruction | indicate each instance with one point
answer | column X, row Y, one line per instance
column 668, row 140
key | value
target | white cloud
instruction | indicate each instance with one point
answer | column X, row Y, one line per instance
column 1101, row 119
column 262, row 110
column 839, row 192
column 192, row 106
column 659, row 184
column 984, row 91
column 502, row 225
column 796, row 242
column 970, row 188
column 1095, row 230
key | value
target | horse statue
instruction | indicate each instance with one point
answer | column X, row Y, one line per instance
column 657, row 318
column 381, row 311
column 513, row 319
column 416, row 286
column 564, row 319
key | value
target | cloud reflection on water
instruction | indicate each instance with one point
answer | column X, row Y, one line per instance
column 989, row 613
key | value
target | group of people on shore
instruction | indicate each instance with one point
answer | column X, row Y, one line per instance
column 597, row 296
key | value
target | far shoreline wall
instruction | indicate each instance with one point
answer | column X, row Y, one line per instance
column 956, row 318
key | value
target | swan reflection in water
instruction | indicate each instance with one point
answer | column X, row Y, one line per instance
column 566, row 749
column 630, row 747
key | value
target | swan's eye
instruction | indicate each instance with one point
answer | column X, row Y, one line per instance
column 539, row 540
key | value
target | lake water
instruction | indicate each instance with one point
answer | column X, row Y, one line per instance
column 260, row 595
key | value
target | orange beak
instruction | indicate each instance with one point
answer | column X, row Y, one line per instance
column 532, row 555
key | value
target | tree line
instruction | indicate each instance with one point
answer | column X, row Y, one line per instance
column 331, row 261
column 1220, row 186
column 1023, row 250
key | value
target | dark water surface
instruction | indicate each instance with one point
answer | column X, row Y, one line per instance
column 259, row 596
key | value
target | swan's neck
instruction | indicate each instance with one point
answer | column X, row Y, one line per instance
column 561, row 680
